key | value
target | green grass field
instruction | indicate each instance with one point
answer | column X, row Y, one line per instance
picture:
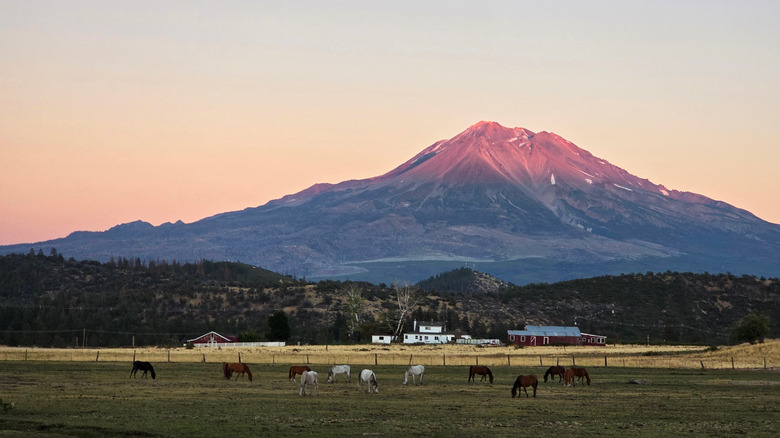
column 192, row 399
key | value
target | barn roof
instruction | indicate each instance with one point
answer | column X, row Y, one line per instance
column 546, row 330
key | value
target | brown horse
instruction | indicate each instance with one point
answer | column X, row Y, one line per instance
column 554, row 371
column 481, row 370
column 142, row 366
column 524, row 382
column 572, row 372
column 229, row 368
column 297, row 369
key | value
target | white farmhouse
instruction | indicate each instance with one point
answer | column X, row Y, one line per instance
column 430, row 333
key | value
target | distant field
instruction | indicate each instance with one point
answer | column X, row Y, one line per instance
column 192, row 399
column 758, row 356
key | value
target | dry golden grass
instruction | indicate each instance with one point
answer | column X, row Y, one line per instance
column 744, row 356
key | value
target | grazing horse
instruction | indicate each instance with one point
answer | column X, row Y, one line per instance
column 309, row 378
column 573, row 372
column 229, row 368
column 338, row 369
column 297, row 369
column 369, row 378
column 414, row 370
column 482, row 370
column 524, row 382
column 143, row 366
column 554, row 371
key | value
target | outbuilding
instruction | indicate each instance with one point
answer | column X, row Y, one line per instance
column 213, row 339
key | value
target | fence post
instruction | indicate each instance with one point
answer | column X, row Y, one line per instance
column 702, row 364
column 97, row 357
column 133, row 355
column 605, row 361
column 508, row 361
column 204, row 357
column 169, row 355
column 477, row 358
column 557, row 361
column 376, row 361
column 540, row 361
column 273, row 359
column 444, row 360
column 239, row 357
column 307, row 359
column 732, row 362
column 410, row 359
column 572, row 362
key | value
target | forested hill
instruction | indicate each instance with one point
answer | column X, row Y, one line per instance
column 46, row 300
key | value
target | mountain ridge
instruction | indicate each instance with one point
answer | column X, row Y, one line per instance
column 490, row 194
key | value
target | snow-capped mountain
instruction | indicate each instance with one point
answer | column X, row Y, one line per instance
column 524, row 206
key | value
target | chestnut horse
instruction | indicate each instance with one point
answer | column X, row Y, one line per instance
column 229, row 368
column 481, row 370
column 143, row 366
column 572, row 372
column 554, row 371
column 297, row 369
column 524, row 382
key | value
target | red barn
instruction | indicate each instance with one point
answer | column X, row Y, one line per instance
column 595, row 340
column 212, row 339
column 538, row 335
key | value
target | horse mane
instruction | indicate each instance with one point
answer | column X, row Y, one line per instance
column 515, row 387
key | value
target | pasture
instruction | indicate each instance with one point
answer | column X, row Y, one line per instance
column 96, row 399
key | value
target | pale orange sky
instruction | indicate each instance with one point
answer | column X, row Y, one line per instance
column 163, row 111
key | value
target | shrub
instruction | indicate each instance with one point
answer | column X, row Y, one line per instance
column 752, row 328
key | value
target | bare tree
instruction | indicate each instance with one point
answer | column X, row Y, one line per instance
column 355, row 303
column 408, row 297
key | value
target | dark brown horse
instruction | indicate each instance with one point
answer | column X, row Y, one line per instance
column 481, row 370
column 554, row 371
column 229, row 368
column 297, row 369
column 143, row 366
column 524, row 382
column 572, row 372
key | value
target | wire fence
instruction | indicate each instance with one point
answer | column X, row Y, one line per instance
column 379, row 357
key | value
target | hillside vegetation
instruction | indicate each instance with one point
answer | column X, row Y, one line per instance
column 49, row 301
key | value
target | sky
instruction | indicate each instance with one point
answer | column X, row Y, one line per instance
column 112, row 112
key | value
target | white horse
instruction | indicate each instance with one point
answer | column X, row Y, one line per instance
column 414, row 370
column 369, row 378
column 309, row 378
column 338, row 369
